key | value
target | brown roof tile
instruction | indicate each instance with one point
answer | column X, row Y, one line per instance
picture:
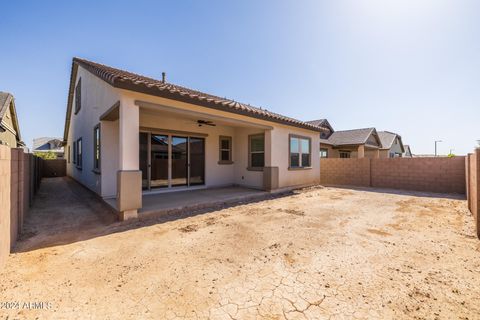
column 131, row 81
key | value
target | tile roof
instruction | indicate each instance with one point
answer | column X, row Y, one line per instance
column 351, row 137
column 387, row 138
column 134, row 82
column 323, row 123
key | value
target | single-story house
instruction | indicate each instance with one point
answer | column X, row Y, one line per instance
column 50, row 145
column 356, row 143
column 9, row 128
column 127, row 135
column 392, row 145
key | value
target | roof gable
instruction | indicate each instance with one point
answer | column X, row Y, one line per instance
column 388, row 138
column 130, row 81
column 323, row 123
column 7, row 103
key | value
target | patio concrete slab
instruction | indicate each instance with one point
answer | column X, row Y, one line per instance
column 154, row 205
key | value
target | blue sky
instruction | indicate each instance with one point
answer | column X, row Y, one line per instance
column 411, row 67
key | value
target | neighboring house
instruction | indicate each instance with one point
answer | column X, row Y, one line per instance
column 128, row 135
column 392, row 145
column 50, row 145
column 356, row 143
column 323, row 123
column 9, row 128
column 408, row 152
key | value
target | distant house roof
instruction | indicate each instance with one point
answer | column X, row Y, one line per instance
column 387, row 138
column 407, row 148
column 7, row 101
column 138, row 83
column 45, row 144
column 323, row 123
column 352, row 137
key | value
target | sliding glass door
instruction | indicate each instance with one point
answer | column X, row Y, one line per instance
column 159, row 161
column 170, row 161
column 197, row 161
column 179, row 161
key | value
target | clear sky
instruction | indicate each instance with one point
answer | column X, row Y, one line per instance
column 408, row 66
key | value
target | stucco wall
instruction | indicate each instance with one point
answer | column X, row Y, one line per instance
column 97, row 97
column 8, row 137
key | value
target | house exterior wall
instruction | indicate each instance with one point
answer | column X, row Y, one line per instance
column 96, row 98
column 8, row 137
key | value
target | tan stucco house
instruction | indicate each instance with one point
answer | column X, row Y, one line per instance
column 9, row 128
column 356, row 143
column 127, row 135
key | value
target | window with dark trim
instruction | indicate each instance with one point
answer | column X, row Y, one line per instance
column 344, row 154
column 323, row 153
column 300, row 152
column 96, row 148
column 225, row 150
column 256, row 151
column 78, row 96
column 79, row 153
column 68, row 154
column 74, row 152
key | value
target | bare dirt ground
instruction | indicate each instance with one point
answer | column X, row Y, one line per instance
column 317, row 254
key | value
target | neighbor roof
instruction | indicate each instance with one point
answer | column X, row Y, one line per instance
column 134, row 82
column 388, row 138
column 7, row 101
column 351, row 137
column 323, row 123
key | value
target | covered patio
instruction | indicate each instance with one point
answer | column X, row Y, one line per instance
column 154, row 205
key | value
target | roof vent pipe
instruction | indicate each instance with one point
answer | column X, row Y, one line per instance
column 163, row 76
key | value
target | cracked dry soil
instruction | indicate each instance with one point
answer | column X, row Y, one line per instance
column 321, row 253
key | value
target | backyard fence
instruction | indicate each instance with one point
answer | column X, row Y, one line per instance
column 20, row 176
column 442, row 175
column 472, row 165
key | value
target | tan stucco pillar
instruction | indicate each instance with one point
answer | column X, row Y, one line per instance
column 129, row 177
column 270, row 170
column 361, row 151
column 377, row 154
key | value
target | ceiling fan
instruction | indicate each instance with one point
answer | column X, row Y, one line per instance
column 205, row 122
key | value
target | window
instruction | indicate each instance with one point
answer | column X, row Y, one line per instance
column 79, row 153
column 299, row 152
column 225, row 153
column 74, row 152
column 256, row 148
column 78, row 96
column 344, row 154
column 68, row 154
column 323, row 153
column 96, row 148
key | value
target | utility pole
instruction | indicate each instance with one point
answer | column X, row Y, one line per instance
column 436, row 141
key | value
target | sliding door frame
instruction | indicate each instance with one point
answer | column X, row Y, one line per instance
column 170, row 134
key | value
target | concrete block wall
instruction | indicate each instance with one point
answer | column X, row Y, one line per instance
column 472, row 165
column 337, row 171
column 19, row 180
column 443, row 175
column 5, row 169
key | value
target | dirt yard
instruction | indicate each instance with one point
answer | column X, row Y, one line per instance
column 317, row 254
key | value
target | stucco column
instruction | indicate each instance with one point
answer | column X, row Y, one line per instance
column 129, row 177
column 377, row 154
column 361, row 151
column 270, row 171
